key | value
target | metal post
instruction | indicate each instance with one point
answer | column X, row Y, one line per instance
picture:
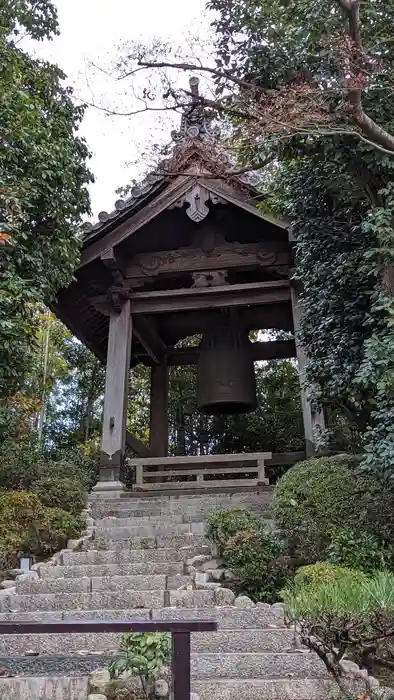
column 181, row 665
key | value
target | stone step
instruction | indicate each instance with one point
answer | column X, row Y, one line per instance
column 158, row 542
column 73, row 615
column 203, row 665
column 132, row 556
column 223, row 641
column 181, row 504
column 44, row 688
column 200, row 511
column 267, row 689
column 96, row 583
column 228, row 618
column 192, row 494
column 260, row 616
column 143, row 520
column 79, row 571
column 59, row 688
column 252, row 665
column 155, row 530
column 83, row 601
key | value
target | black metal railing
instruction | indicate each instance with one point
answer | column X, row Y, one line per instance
column 180, row 631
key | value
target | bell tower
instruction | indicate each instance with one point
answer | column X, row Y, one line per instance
column 189, row 252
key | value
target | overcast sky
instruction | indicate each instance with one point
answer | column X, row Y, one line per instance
column 91, row 32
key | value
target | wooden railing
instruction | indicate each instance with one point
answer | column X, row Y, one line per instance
column 199, row 467
column 205, row 471
column 180, row 631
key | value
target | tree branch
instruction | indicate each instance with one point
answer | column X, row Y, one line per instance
column 191, row 66
column 369, row 127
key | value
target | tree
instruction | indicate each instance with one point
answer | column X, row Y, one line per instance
column 43, row 178
column 309, row 85
column 75, row 405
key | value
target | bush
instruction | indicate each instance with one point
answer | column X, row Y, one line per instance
column 21, row 462
column 20, row 512
column 55, row 529
column 142, row 654
column 359, row 550
column 317, row 496
column 352, row 616
column 27, row 526
column 224, row 524
column 256, row 560
column 315, row 574
column 58, row 492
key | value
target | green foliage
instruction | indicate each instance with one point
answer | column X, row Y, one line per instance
column 359, row 550
column 315, row 574
column 345, row 615
column 142, row 653
column 224, row 524
column 74, row 407
column 60, row 492
column 276, row 422
column 38, row 19
column 43, row 181
column 337, row 189
column 27, row 526
column 24, row 460
column 56, row 528
column 256, row 558
column 316, row 497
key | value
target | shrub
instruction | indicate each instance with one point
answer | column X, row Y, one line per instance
column 256, row 559
column 55, row 529
column 21, row 461
column 67, row 494
column 359, row 550
column 352, row 616
column 26, row 525
column 20, row 511
column 224, row 524
column 315, row 574
column 319, row 495
column 143, row 654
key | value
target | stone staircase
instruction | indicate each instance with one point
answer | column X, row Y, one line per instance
column 140, row 563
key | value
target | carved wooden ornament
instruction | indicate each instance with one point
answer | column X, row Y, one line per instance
column 197, row 199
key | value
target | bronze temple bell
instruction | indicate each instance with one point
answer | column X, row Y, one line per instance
column 226, row 381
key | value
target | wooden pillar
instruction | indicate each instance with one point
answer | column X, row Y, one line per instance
column 312, row 419
column 115, row 400
column 159, row 411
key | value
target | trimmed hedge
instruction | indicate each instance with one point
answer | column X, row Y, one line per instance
column 318, row 496
column 315, row 574
column 224, row 524
column 257, row 562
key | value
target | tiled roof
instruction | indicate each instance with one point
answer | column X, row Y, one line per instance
column 195, row 126
column 123, row 207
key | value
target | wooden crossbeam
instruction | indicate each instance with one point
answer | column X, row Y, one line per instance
column 267, row 350
column 147, row 335
column 137, row 445
column 210, row 297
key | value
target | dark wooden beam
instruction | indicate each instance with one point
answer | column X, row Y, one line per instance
column 262, row 350
column 147, row 335
column 210, row 297
column 186, row 260
column 114, row 263
column 137, row 220
column 137, row 445
column 159, row 411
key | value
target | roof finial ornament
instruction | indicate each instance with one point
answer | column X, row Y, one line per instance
column 195, row 122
